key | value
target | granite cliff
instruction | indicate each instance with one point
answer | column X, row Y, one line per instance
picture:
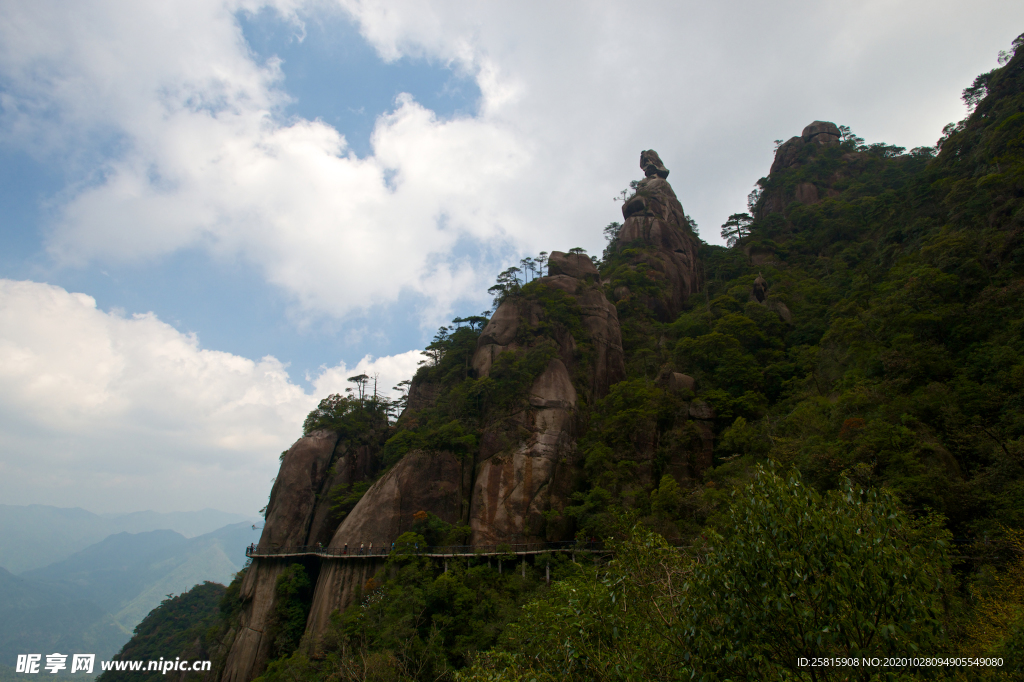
column 551, row 349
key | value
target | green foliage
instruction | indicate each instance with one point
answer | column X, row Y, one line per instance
column 293, row 594
column 416, row 621
column 799, row 574
column 796, row 574
column 736, row 228
column 184, row 626
column 345, row 497
column 349, row 416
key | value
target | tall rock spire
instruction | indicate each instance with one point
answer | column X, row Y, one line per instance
column 657, row 224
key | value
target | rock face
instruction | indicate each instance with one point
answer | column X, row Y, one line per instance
column 435, row 482
column 518, row 480
column 250, row 650
column 574, row 265
column 421, row 481
column 293, row 497
column 655, row 219
column 338, row 586
column 821, row 133
column 793, row 153
column 520, row 477
column 298, row 515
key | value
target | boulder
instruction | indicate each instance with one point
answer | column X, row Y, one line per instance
column 760, row 290
column 651, row 164
column 701, row 410
column 780, row 309
column 823, row 133
column 680, row 382
column 576, row 265
column 675, row 381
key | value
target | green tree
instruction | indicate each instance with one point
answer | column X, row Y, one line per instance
column 796, row 574
column 736, row 228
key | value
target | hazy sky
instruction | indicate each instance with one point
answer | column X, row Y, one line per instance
column 213, row 212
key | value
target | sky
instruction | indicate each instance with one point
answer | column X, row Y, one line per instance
column 214, row 212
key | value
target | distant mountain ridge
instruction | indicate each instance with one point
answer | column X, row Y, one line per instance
column 129, row 574
column 43, row 619
column 91, row 601
column 34, row 536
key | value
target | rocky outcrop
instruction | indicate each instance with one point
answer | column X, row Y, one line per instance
column 576, row 265
column 525, row 465
column 518, row 479
column 299, row 514
column 421, row 481
column 795, row 152
column 515, row 316
column 819, row 133
column 655, row 220
column 676, row 381
column 293, row 497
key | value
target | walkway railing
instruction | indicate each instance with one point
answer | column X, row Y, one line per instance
column 446, row 551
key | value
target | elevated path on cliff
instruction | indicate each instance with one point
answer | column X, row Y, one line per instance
column 441, row 552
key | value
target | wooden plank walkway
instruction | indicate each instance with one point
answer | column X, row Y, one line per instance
column 466, row 551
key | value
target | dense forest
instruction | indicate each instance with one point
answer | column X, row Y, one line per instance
column 858, row 349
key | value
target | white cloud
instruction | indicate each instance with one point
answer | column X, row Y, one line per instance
column 571, row 93
column 97, row 408
column 386, row 371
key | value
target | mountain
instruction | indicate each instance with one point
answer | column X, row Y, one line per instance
column 177, row 628
column 807, row 443
column 36, row 535
column 43, row 619
column 129, row 574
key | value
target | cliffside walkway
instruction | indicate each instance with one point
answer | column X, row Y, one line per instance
column 440, row 552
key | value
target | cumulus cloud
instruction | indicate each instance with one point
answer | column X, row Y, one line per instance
column 200, row 155
column 128, row 412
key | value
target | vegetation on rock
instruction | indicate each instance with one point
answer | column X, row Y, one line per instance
column 822, row 454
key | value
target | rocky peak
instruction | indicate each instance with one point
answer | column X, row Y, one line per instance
column 821, row 133
column 800, row 150
column 655, row 219
column 824, row 133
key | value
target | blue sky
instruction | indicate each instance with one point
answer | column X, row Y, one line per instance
column 330, row 73
column 213, row 213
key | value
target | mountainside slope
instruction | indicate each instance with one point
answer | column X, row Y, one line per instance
column 864, row 329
